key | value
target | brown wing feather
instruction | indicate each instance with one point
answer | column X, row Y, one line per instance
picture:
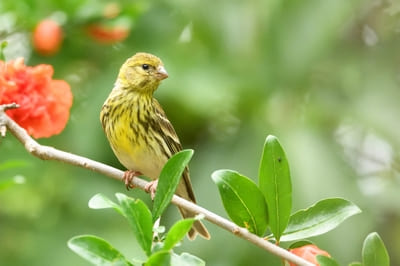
column 171, row 139
column 185, row 187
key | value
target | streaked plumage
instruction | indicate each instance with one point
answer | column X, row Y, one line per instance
column 140, row 134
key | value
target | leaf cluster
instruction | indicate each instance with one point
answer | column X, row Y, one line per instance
column 264, row 209
column 157, row 246
column 268, row 205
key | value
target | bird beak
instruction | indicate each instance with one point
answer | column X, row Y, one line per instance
column 161, row 73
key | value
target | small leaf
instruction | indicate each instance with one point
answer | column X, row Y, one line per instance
column 9, row 164
column 186, row 259
column 169, row 179
column 3, row 45
column 8, row 182
column 177, row 232
column 243, row 201
column 374, row 251
column 300, row 243
column 139, row 218
column 97, row 251
column 159, row 258
column 318, row 219
column 159, row 229
column 326, row 261
column 275, row 184
column 100, row 201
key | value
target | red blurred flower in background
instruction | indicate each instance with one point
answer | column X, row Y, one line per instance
column 44, row 102
column 47, row 37
column 112, row 28
column 108, row 34
column 309, row 253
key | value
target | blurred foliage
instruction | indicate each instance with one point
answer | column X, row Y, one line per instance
column 323, row 76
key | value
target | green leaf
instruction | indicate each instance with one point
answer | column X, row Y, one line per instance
column 275, row 184
column 186, row 259
column 177, row 232
column 374, row 251
column 9, row 164
column 169, row 179
column 300, row 243
column 139, row 218
column 96, row 250
column 326, row 261
column 8, row 182
column 3, row 45
column 242, row 199
column 160, row 258
column 355, row 264
column 318, row 219
column 100, row 201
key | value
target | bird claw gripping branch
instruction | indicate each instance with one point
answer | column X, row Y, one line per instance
column 128, row 177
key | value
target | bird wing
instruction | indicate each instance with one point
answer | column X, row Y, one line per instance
column 169, row 134
column 172, row 141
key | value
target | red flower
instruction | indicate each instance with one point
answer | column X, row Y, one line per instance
column 44, row 102
column 309, row 253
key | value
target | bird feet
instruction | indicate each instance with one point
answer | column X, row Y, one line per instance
column 151, row 188
column 128, row 177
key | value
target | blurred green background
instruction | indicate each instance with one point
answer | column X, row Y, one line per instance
column 322, row 76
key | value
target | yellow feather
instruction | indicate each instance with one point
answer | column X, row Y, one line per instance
column 137, row 128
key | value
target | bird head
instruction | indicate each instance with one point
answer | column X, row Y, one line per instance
column 142, row 73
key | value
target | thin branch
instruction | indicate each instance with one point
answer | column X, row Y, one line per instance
column 3, row 108
column 50, row 153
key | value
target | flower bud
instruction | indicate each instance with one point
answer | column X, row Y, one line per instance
column 47, row 37
column 309, row 253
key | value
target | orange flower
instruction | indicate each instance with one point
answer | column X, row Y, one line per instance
column 44, row 102
column 309, row 253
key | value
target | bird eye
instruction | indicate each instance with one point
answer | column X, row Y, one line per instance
column 145, row 66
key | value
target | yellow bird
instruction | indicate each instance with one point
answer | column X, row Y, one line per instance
column 140, row 134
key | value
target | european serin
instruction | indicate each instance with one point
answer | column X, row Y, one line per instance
column 138, row 130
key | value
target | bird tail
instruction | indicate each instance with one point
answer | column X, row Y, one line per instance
column 185, row 191
column 197, row 228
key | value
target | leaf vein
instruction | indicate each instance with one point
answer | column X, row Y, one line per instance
column 245, row 206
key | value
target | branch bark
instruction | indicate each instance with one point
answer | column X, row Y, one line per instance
column 50, row 153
